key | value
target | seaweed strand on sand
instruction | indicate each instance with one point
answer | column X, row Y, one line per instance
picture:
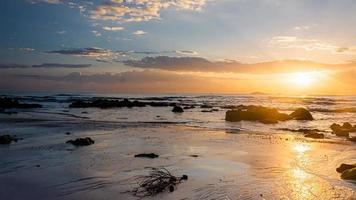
column 158, row 180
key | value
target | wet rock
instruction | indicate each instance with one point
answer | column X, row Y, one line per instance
column 177, row 109
column 349, row 174
column 344, row 167
column 146, row 155
column 6, row 103
column 7, row 139
column 206, row 106
column 81, row 141
column 335, row 126
column 108, row 103
column 188, row 107
column 314, row 135
column 255, row 113
column 301, row 114
column 342, row 131
column 352, row 139
column 269, row 121
column 347, row 125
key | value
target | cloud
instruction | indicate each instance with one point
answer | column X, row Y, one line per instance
column 198, row 64
column 46, row 1
column 300, row 28
column 295, row 42
column 130, row 81
column 96, row 33
column 85, row 52
column 113, row 28
column 139, row 32
column 109, row 56
column 62, row 32
column 140, row 10
column 309, row 44
column 44, row 65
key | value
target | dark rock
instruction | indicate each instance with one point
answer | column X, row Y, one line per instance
column 184, row 177
column 255, row 113
column 146, row 155
column 68, row 133
column 347, row 125
column 352, row 139
column 188, row 107
column 107, row 103
column 269, row 121
column 301, row 114
column 206, row 111
column 341, row 131
column 335, row 126
column 194, row 156
column 177, row 109
column 314, row 135
column 7, row 139
column 171, row 188
column 81, row 141
column 344, row 167
column 349, row 174
column 206, row 106
column 6, row 103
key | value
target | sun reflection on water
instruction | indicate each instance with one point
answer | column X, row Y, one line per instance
column 301, row 148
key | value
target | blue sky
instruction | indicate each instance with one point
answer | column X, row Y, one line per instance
column 102, row 34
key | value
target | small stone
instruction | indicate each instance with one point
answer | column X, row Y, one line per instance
column 146, row 155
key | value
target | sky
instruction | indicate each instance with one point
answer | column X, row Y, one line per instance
column 294, row 47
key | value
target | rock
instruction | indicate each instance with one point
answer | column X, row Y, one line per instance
column 146, row 155
column 188, row 107
column 352, row 139
column 314, row 135
column 7, row 139
column 194, row 156
column 108, row 103
column 6, row 103
column 68, row 133
column 255, row 113
column 344, row 167
column 301, row 114
column 269, row 121
column 340, row 131
column 184, row 177
column 206, row 106
column 206, row 111
column 346, row 125
column 81, row 141
column 177, row 109
column 349, row 174
column 335, row 126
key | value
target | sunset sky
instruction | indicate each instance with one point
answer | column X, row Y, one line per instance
column 296, row 47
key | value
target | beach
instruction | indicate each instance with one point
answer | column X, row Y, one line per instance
column 221, row 162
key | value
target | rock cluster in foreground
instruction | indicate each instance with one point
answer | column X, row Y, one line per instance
column 265, row 114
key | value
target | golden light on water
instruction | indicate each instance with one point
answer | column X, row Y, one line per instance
column 301, row 148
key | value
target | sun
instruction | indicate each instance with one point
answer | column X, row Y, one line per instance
column 302, row 79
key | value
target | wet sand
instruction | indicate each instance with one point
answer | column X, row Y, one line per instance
column 243, row 165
